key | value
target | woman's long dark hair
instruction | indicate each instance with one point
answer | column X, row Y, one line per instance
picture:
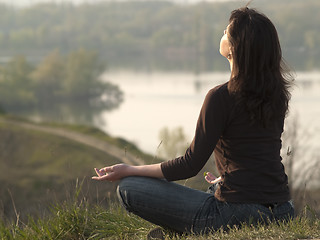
column 258, row 75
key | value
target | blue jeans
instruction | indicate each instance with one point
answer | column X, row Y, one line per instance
column 183, row 209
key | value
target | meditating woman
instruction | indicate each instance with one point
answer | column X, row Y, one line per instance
column 241, row 121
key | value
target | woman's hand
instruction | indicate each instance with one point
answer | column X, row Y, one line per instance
column 112, row 173
column 119, row 171
column 210, row 178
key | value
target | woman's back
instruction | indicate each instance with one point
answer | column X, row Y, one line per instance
column 247, row 156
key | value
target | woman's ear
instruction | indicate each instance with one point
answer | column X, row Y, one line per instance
column 230, row 52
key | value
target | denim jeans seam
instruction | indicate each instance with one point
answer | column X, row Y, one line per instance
column 201, row 218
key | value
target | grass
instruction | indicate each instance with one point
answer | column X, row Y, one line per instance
column 80, row 220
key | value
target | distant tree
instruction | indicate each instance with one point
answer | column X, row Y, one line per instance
column 82, row 80
column 48, row 77
column 159, row 34
column 72, row 80
column 16, row 89
column 82, row 72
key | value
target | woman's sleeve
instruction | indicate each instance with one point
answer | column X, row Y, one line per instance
column 210, row 125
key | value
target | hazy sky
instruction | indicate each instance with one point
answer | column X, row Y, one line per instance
column 30, row 2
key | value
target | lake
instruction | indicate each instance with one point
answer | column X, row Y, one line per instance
column 157, row 100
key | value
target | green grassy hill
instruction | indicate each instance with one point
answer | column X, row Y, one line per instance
column 38, row 169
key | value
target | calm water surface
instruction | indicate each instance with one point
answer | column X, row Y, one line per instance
column 157, row 100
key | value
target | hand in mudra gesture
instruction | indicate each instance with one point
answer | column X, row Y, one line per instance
column 112, row 173
column 210, row 178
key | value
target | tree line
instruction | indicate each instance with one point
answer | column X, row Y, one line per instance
column 153, row 35
column 58, row 80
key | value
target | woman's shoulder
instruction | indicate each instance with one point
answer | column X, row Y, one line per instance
column 219, row 98
column 219, row 91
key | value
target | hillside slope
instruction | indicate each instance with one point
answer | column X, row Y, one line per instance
column 41, row 165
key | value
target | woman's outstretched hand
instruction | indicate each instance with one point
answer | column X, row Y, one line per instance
column 119, row 171
column 112, row 173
